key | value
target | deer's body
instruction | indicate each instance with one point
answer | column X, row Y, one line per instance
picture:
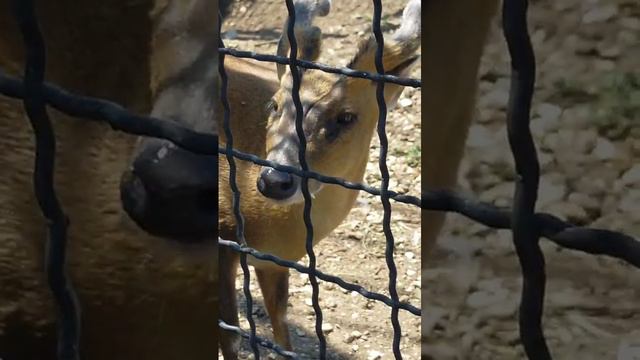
column 138, row 300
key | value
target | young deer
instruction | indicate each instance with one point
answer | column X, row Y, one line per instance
column 341, row 114
column 138, row 301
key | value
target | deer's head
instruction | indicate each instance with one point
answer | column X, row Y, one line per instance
column 339, row 113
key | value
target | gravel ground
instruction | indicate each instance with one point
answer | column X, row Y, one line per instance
column 356, row 328
column 585, row 124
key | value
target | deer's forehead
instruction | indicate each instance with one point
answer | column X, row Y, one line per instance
column 314, row 86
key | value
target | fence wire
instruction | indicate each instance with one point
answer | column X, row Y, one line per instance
column 526, row 225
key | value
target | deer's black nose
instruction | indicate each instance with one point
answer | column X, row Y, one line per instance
column 171, row 192
column 276, row 184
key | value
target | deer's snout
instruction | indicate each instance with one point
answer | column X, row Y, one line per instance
column 172, row 193
column 277, row 185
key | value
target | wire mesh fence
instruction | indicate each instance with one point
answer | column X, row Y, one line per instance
column 526, row 225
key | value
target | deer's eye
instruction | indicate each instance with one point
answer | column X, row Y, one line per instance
column 342, row 121
column 272, row 107
column 346, row 118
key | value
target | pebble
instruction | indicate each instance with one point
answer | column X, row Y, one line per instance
column 600, row 14
column 230, row 34
column 480, row 137
column 481, row 299
column 549, row 112
column 327, row 328
column 587, row 202
column 631, row 176
column 550, row 192
column 630, row 23
column 405, row 102
column 353, row 336
column 374, row 355
column 604, row 150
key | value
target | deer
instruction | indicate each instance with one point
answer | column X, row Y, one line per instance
column 340, row 118
column 140, row 297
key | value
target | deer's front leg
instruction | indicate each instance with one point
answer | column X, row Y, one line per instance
column 228, row 303
column 274, row 284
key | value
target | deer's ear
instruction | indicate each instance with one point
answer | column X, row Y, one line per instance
column 398, row 59
column 400, row 51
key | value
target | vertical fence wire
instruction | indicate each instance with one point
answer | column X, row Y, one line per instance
column 236, row 196
column 524, row 226
column 302, row 158
column 384, row 172
column 35, row 107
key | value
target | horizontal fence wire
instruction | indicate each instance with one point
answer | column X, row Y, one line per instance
column 36, row 94
column 414, row 83
column 322, row 276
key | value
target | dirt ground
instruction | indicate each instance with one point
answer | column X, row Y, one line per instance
column 356, row 328
column 585, row 124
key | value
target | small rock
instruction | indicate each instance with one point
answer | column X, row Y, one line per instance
column 604, row 150
column 630, row 202
column 630, row 23
column 600, row 14
column 405, row 102
column 481, row 299
column 498, row 192
column 479, row 137
column 587, row 202
column 300, row 333
column 496, row 99
column 549, row 112
column 374, row 355
column 631, row 176
column 352, row 337
column 550, row 192
column 570, row 211
column 327, row 328
column 612, row 52
column 230, row 34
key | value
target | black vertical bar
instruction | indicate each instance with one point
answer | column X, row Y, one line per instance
column 384, row 172
column 295, row 94
column 236, row 194
column 524, row 226
column 34, row 103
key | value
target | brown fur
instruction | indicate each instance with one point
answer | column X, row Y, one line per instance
column 138, row 301
column 450, row 77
